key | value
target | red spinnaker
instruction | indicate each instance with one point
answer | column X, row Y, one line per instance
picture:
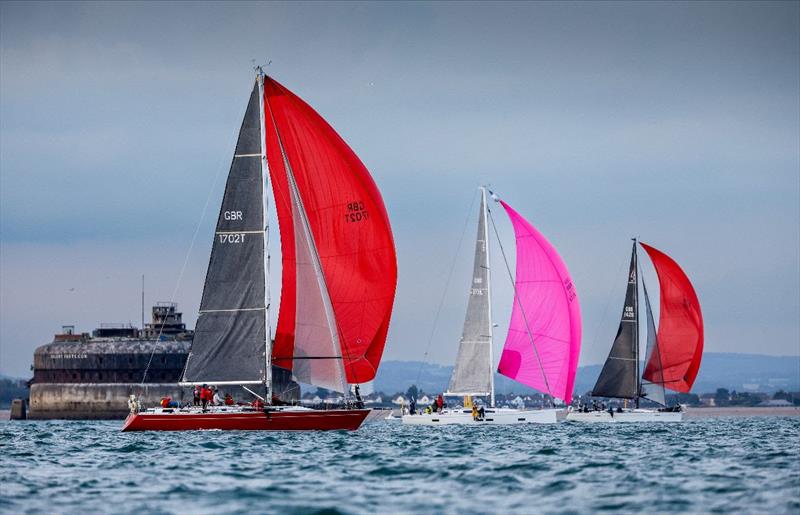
column 350, row 228
column 676, row 360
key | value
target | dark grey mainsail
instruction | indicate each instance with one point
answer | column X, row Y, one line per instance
column 230, row 337
column 653, row 391
column 620, row 375
column 473, row 369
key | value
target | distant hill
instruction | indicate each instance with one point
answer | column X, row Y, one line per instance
column 740, row 372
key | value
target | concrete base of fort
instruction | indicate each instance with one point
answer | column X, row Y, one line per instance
column 96, row 400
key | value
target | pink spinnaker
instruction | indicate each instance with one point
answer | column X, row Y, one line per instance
column 544, row 335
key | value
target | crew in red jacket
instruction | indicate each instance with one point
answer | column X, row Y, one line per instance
column 205, row 396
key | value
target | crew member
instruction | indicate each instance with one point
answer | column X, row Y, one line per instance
column 229, row 400
column 205, row 396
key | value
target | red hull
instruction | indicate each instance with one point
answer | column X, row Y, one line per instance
column 312, row 420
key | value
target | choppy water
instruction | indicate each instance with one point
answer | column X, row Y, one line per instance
column 744, row 464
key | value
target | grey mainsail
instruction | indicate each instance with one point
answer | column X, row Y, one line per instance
column 230, row 337
column 473, row 369
column 653, row 391
column 620, row 375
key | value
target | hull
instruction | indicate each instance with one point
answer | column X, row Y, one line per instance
column 638, row 415
column 491, row 417
column 278, row 419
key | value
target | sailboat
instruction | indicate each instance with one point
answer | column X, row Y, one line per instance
column 672, row 355
column 544, row 335
column 339, row 274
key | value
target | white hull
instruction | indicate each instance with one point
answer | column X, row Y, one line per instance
column 636, row 415
column 492, row 416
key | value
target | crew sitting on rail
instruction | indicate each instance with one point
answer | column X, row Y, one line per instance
column 258, row 403
column 229, row 400
column 167, row 402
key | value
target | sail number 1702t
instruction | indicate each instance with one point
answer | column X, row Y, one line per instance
column 231, row 237
column 356, row 212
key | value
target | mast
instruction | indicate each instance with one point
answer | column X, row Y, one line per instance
column 265, row 226
column 638, row 379
column 488, row 293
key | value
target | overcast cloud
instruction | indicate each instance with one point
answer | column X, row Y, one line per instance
column 675, row 122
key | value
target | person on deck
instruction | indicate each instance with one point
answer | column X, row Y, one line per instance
column 205, row 396
column 439, row 403
column 474, row 412
column 258, row 403
column 196, row 399
column 412, row 408
column 229, row 400
column 481, row 413
column 166, row 402
column 217, row 398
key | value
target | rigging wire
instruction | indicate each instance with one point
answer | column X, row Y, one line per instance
column 519, row 301
column 608, row 303
column 446, row 287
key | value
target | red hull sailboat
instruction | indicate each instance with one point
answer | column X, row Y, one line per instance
column 339, row 274
column 252, row 420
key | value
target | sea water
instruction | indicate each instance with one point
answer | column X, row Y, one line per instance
column 720, row 465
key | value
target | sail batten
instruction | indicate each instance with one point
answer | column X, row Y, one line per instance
column 542, row 346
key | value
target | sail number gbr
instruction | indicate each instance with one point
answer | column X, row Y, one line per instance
column 356, row 212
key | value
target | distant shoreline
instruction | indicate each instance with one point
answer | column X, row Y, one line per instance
column 742, row 411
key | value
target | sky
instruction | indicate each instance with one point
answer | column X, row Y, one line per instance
column 678, row 123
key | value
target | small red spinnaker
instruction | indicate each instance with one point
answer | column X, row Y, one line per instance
column 676, row 359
